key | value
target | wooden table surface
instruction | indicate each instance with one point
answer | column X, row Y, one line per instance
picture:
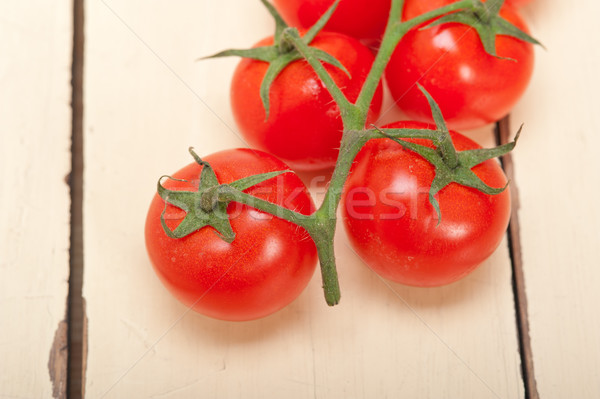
column 525, row 324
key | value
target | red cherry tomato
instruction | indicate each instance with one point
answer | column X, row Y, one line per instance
column 517, row 3
column 413, row 8
column 357, row 18
column 471, row 87
column 304, row 128
column 266, row 267
column 394, row 228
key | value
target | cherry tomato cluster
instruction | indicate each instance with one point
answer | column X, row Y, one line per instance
column 231, row 234
column 472, row 87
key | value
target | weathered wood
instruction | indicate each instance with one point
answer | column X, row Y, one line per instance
column 557, row 166
column 77, row 317
column 35, row 131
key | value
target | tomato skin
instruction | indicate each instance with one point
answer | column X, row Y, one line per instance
column 471, row 87
column 393, row 227
column 357, row 18
column 304, row 128
column 413, row 8
column 265, row 268
column 517, row 3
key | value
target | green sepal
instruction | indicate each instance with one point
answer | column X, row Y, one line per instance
column 493, row 7
column 278, row 64
column 318, row 53
column 470, row 158
column 280, row 24
column 462, row 173
column 250, row 181
column 282, row 53
column 436, row 112
column 444, row 144
column 274, row 69
column 195, row 218
column 263, row 53
column 485, row 19
column 453, row 166
column 204, row 207
column 320, row 24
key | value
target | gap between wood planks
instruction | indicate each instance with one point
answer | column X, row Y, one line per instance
column 503, row 135
column 77, row 320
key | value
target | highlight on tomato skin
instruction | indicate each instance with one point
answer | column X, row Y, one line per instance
column 304, row 127
column 393, row 227
column 264, row 269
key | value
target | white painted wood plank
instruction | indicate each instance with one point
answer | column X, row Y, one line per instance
column 147, row 101
column 35, row 131
column 557, row 173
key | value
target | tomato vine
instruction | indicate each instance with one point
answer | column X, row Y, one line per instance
column 451, row 166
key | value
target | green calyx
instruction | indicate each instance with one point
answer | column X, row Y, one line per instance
column 452, row 166
column 486, row 20
column 208, row 205
column 283, row 52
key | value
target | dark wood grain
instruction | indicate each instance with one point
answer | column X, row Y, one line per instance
column 504, row 135
column 76, row 324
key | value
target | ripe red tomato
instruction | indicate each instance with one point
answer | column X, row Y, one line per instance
column 265, row 268
column 471, row 87
column 394, row 228
column 413, row 8
column 517, row 3
column 304, row 128
column 357, row 18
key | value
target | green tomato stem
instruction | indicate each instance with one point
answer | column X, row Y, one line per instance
column 227, row 194
column 447, row 151
column 325, row 218
column 390, row 39
column 326, row 253
column 321, row 225
column 352, row 142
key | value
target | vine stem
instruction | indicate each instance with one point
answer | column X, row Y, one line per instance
column 356, row 114
column 352, row 142
column 329, row 276
column 391, row 37
column 321, row 224
column 227, row 193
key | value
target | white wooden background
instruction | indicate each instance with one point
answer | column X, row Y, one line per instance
column 146, row 101
column 35, row 132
